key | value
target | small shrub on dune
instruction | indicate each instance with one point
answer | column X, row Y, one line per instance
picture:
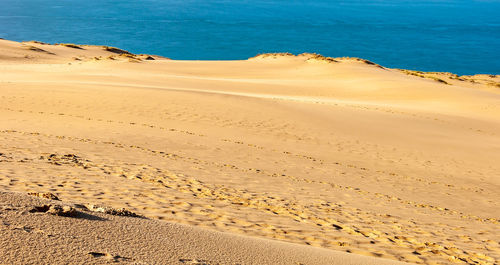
column 438, row 79
column 495, row 84
column 36, row 49
column 363, row 61
column 319, row 57
column 128, row 55
column 70, row 45
column 37, row 42
column 146, row 57
column 115, row 50
column 429, row 75
column 276, row 54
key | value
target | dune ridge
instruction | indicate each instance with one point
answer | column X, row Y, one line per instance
column 28, row 226
column 334, row 153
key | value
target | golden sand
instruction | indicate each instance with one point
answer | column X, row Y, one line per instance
column 336, row 153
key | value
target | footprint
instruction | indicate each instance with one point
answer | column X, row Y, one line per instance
column 196, row 262
column 107, row 256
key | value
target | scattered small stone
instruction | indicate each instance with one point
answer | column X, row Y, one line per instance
column 62, row 210
column 107, row 210
column 58, row 210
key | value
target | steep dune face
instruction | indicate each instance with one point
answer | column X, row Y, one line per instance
column 331, row 152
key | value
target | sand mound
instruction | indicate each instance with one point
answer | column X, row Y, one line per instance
column 313, row 57
column 34, row 231
column 39, row 52
column 335, row 153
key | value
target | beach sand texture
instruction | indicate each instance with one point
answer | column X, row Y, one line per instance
column 335, row 153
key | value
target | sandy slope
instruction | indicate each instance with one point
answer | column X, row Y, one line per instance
column 334, row 153
column 90, row 237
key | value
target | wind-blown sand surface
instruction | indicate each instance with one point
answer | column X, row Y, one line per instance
column 336, row 153
column 90, row 237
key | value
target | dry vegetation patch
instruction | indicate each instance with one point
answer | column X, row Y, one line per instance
column 37, row 42
column 45, row 195
column 70, row 45
column 489, row 80
column 319, row 57
column 421, row 74
column 36, row 49
column 360, row 60
column 115, row 50
column 273, row 55
column 316, row 57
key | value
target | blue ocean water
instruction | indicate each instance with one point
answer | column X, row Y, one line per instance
column 431, row 35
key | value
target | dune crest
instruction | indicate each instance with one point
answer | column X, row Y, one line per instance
column 490, row 82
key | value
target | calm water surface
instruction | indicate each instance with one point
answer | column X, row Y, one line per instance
column 454, row 36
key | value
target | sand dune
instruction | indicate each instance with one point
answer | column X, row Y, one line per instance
column 93, row 237
column 336, row 153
